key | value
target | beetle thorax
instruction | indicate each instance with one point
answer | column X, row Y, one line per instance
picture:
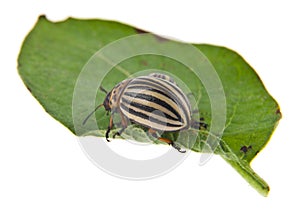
column 116, row 93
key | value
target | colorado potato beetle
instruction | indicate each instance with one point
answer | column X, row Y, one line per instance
column 154, row 102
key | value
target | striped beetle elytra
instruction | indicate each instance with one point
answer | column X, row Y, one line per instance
column 154, row 102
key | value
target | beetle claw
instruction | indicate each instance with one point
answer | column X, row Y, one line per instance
column 116, row 134
column 178, row 148
column 119, row 132
column 107, row 134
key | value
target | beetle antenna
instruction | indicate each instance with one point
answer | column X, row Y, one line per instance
column 86, row 119
column 102, row 89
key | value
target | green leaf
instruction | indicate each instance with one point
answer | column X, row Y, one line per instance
column 53, row 54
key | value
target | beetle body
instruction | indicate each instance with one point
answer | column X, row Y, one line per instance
column 154, row 101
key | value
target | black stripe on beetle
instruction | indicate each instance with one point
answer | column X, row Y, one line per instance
column 155, row 100
column 148, row 118
column 150, row 89
column 148, row 109
column 170, row 89
column 177, row 91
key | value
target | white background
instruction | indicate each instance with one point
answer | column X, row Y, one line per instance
column 42, row 166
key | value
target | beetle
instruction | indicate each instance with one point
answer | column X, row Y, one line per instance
column 154, row 101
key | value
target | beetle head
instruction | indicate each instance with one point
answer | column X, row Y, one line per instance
column 106, row 101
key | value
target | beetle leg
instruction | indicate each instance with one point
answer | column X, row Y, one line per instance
column 107, row 134
column 103, row 90
column 172, row 144
column 119, row 132
column 168, row 141
column 177, row 147
column 109, row 128
column 199, row 124
column 153, row 133
column 124, row 124
column 202, row 124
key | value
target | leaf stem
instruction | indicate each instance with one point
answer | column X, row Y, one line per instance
column 249, row 175
column 243, row 168
column 240, row 165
